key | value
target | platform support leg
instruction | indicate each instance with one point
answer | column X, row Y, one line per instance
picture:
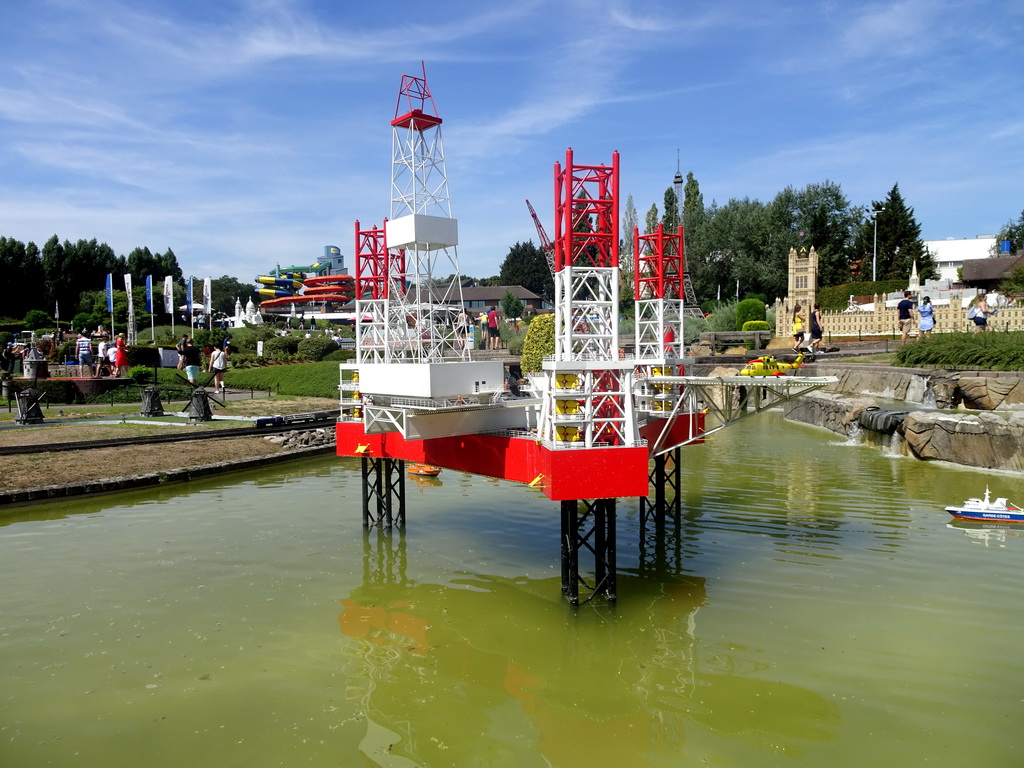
column 588, row 525
column 665, row 479
column 383, row 492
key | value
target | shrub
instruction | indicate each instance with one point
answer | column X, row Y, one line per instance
column 995, row 351
column 747, row 310
column 140, row 374
column 36, row 319
column 280, row 346
column 756, row 325
column 143, row 356
column 315, row 348
column 723, row 319
column 540, row 341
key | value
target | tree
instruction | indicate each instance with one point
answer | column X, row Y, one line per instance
column 818, row 215
column 671, row 218
column 70, row 268
column 21, row 266
column 651, row 220
column 225, row 290
column 511, row 305
column 526, row 265
column 899, row 241
column 629, row 225
column 1012, row 231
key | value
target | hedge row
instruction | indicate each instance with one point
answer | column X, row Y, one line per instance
column 300, row 379
column 986, row 351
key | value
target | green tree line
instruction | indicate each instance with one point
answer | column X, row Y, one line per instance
column 746, row 242
column 72, row 276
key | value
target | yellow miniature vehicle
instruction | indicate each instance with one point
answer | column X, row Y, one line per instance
column 769, row 366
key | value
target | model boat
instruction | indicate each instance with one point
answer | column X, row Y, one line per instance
column 985, row 509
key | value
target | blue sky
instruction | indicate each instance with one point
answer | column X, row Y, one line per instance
column 244, row 133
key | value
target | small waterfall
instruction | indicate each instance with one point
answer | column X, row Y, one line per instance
column 928, row 401
column 895, row 445
column 856, row 434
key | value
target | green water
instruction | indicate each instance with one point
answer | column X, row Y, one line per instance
column 813, row 609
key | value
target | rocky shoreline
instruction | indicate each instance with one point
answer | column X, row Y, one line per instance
column 990, row 434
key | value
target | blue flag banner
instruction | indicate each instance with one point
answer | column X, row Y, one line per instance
column 110, row 292
column 188, row 294
column 149, row 294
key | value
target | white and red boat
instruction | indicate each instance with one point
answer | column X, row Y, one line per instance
column 986, row 510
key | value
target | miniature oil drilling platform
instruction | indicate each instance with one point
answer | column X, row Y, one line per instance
column 594, row 426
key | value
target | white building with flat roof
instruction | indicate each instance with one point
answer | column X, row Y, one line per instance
column 951, row 253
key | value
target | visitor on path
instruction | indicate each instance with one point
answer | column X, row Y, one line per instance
column 980, row 315
column 7, row 359
column 180, row 346
column 218, row 364
column 121, row 356
column 83, row 349
column 101, row 355
column 798, row 327
column 193, row 361
column 494, row 333
column 926, row 318
column 904, row 316
column 817, row 329
column 462, row 327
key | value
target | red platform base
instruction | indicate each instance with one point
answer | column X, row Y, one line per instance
column 573, row 473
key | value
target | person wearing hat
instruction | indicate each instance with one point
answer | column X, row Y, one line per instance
column 121, row 356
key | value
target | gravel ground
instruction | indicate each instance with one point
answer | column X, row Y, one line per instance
column 65, row 468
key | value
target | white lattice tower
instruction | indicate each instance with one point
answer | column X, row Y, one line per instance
column 587, row 397
column 421, row 319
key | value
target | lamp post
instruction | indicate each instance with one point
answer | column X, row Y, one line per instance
column 874, row 255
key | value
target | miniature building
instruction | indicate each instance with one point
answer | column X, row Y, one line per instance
column 803, row 287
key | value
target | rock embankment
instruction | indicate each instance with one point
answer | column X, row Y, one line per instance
column 987, row 440
column 308, row 438
column 976, row 390
column 975, row 439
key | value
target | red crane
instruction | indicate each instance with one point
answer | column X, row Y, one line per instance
column 545, row 242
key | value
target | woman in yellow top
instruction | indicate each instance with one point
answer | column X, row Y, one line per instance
column 798, row 328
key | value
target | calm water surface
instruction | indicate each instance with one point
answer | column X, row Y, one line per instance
column 813, row 608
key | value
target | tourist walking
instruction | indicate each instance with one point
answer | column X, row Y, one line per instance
column 926, row 318
column 83, row 349
column 218, row 364
column 101, row 355
column 904, row 316
column 193, row 361
column 798, row 327
column 180, row 346
column 120, row 356
column 817, row 329
column 979, row 314
column 493, row 331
